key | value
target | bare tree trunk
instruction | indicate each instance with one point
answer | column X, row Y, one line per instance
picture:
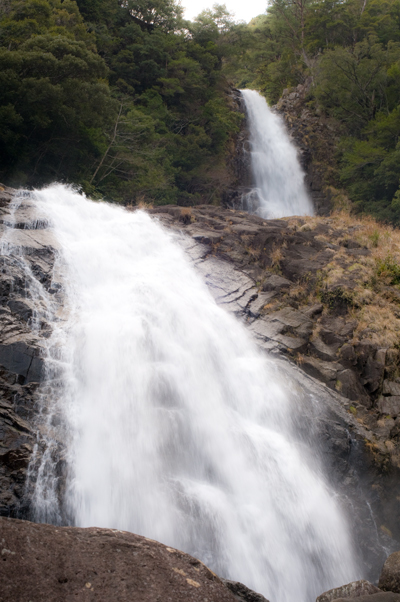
column 109, row 146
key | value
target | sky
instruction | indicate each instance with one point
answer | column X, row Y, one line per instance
column 244, row 10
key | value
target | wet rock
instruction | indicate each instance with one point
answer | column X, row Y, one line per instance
column 43, row 562
column 294, row 321
column 325, row 371
column 350, row 590
column 207, row 237
column 22, row 360
column 361, row 454
column 243, row 593
column 389, row 579
column 28, row 261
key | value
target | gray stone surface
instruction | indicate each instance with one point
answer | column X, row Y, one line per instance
column 355, row 589
column 391, row 388
column 389, row 406
column 27, row 260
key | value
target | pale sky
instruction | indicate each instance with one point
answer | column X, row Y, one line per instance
column 244, row 10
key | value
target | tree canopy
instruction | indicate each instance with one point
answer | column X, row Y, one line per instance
column 128, row 100
column 350, row 52
column 123, row 98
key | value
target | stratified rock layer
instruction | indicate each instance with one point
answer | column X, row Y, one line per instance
column 60, row 564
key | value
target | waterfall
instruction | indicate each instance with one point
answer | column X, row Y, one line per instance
column 279, row 180
column 176, row 425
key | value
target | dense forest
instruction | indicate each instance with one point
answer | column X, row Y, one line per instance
column 130, row 101
column 348, row 52
column 125, row 99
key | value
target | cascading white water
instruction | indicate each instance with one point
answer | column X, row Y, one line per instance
column 279, row 180
column 178, row 426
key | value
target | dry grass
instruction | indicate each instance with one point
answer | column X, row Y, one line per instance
column 186, row 215
column 276, row 255
column 380, row 239
column 373, row 280
column 144, row 205
column 299, row 293
column 378, row 323
column 253, row 252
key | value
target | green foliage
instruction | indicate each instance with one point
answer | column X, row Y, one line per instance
column 348, row 53
column 338, row 297
column 47, row 118
column 389, row 269
column 125, row 99
column 352, row 82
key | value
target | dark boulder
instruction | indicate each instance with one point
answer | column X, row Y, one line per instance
column 53, row 564
column 355, row 589
column 389, row 580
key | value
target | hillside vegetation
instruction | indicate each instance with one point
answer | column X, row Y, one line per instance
column 348, row 55
column 131, row 102
column 123, row 98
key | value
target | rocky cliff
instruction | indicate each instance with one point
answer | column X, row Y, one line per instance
column 294, row 284
column 316, row 138
column 23, row 336
column 316, row 292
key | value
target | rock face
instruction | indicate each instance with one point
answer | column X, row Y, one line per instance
column 316, row 139
column 350, row 590
column 259, row 270
column 293, row 283
column 302, row 287
column 23, row 334
column 238, row 157
column 390, row 576
column 43, row 562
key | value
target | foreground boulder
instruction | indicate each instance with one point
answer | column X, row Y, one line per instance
column 355, row 589
column 390, row 576
column 54, row 564
column 380, row 597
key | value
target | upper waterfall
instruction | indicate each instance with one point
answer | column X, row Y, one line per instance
column 279, row 180
column 176, row 426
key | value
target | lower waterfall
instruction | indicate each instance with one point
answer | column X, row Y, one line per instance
column 176, row 425
column 279, row 180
